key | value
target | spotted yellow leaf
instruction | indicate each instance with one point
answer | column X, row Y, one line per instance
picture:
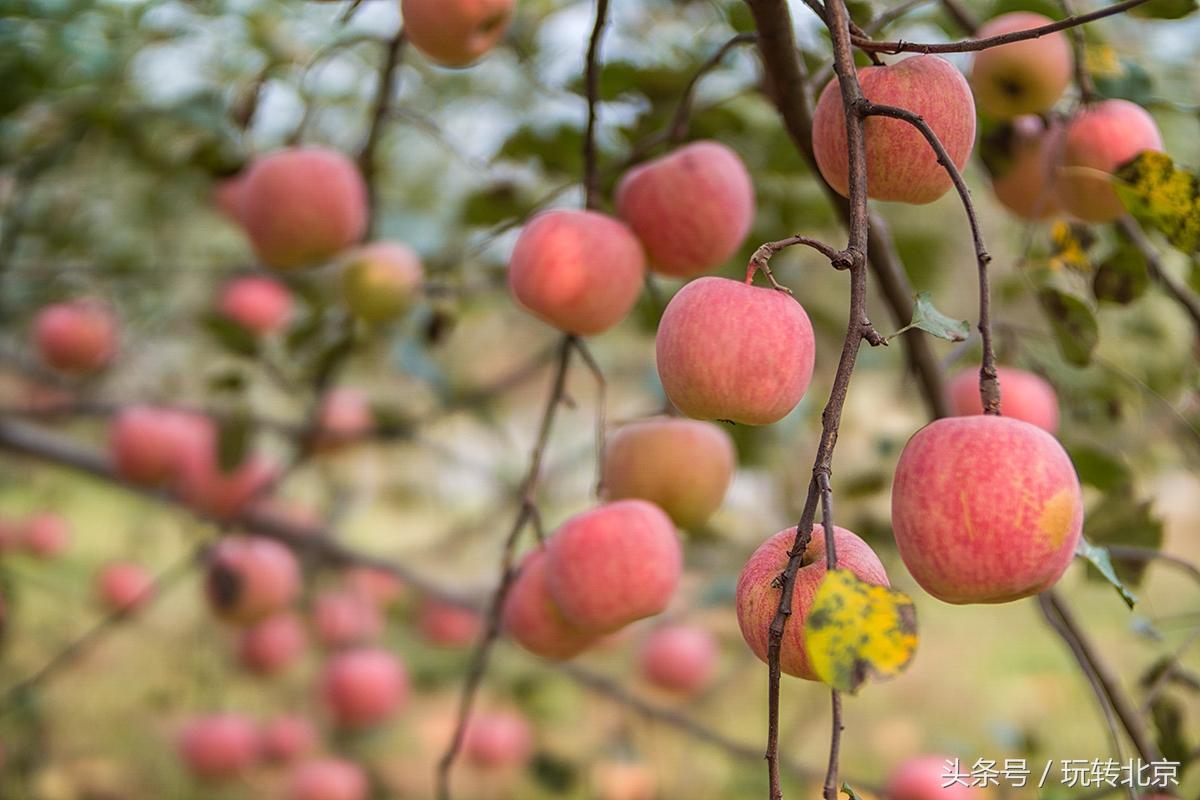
column 857, row 629
column 1070, row 244
column 1162, row 196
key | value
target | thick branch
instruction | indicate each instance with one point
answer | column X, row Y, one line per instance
column 973, row 45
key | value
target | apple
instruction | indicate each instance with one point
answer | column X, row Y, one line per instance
column 456, row 33
column 363, row 687
column 497, row 740
column 1022, row 179
column 1025, row 77
column 758, row 592
column 379, row 280
column 624, row 780
column 691, row 208
column 985, row 509
column 260, row 305
column 901, row 166
column 447, row 625
column 382, row 588
column 327, row 779
column 613, row 565
column 679, row 658
column 251, row 578
column 731, row 351
column 345, row 416
column 270, row 646
column 148, row 445
column 78, row 336
column 532, row 618
column 286, row 738
column 302, row 205
column 209, row 489
column 122, row 586
column 341, row 618
column 1023, row 395
column 925, row 778
column 580, row 271
column 218, row 746
column 45, row 535
column 683, row 466
column 1099, row 139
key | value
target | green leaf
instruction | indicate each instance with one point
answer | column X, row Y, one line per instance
column 1130, row 81
column 1167, row 716
column 1122, row 277
column 228, row 382
column 1099, row 558
column 1075, row 329
column 927, row 318
column 1095, row 467
column 846, row 790
column 557, row 149
column 231, row 336
column 1163, row 197
column 1165, row 9
column 1120, row 518
column 234, row 435
column 491, row 205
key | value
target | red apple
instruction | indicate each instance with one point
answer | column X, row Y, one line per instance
column 251, row 578
column 447, row 625
column 1025, row 77
column 683, row 466
column 123, row 586
column 272, row 645
column 218, row 746
column 901, row 165
column 758, row 592
column 1099, row 139
column 382, row 588
column 624, row 780
column 327, row 779
column 579, row 271
column 691, row 208
column 343, row 618
column 614, row 564
column 730, row 351
column 985, row 509
column 929, row 778
column 260, row 305
column 455, row 33
column 679, row 658
column 532, row 618
column 1023, row 176
column 149, row 445
column 497, row 740
column 78, row 337
column 209, row 489
column 1023, row 395
column 345, row 416
column 379, row 280
column 45, row 535
column 302, row 205
column 364, row 687
column 287, row 738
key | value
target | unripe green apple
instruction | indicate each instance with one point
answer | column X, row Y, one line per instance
column 379, row 280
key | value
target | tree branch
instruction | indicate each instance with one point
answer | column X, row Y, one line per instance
column 379, row 117
column 591, row 173
column 1132, row 231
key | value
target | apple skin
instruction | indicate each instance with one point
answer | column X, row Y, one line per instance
column 456, row 33
column 691, row 208
column 985, row 509
column 679, row 658
column 122, row 586
column 447, row 625
column 901, row 166
column 148, row 445
column 730, row 351
column 758, row 599
column 259, row 305
column 1023, row 395
column 342, row 618
column 251, row 578
column 302, row 205
column 498, row 739
column 613, row 565
column 683, row 466
column 327, row 779
column 45, row 535
column 270, row 646
column 363, row 687
column 381, row 588
column 379, row 280
column 284, row 739
column 75, row 337
column 208, row 489
column 532, row 618
column 1025, row 183
column 1024, row 77
column 921, row 779
column 218, row 746
column 624, row 780
column 345, row 417
column 580, row 271
column 1099, row 139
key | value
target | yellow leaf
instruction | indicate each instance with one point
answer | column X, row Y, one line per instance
column 1101, row 59
column 1162, row 196
column 856, row 629
column 1070, row 245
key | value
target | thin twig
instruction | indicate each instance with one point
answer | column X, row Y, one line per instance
column 679, row 123
column 1083, row 79
column 591, row 173
column 974, row 45
column 379, row 116
column 961, row 16
column 1190, row 304
column 1133, row 553
column 593, row 366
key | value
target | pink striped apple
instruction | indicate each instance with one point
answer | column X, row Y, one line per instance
column 1023, row 395
column 363, row 687
column 533, row 619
